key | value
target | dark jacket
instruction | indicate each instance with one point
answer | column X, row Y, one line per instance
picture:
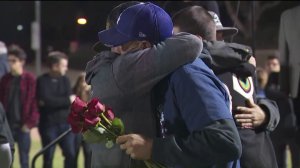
column 5, row 132
column 4, row 69
column 198, row 126
column 233, row 58
column 240, row 79
column 29, row 113
column 124, row 83
column 55, row 95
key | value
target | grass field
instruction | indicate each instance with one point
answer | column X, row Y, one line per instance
column 58, row 160
column 58, row 157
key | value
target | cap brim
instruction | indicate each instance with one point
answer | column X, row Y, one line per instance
column 98, row 47
column 228, row 31
column 112, row 37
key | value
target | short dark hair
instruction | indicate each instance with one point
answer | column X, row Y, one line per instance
column 270, row 57
column 195, row 20
column 113, row 16
column 17, row 52
column 55, row 56
column 171, row 7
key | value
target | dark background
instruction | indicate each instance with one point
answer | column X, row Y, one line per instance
column 59, row 25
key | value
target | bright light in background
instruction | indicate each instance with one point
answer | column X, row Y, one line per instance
column 81, row 21
column 19, row 27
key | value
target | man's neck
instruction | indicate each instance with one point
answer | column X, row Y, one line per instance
column 54, row 74
column 18, row 72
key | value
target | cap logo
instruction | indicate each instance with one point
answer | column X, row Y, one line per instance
column 216, row 18
column 118, row 19
column 141, row 34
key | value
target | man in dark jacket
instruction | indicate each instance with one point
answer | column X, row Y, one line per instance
column 3, row 60
column 124, row 82
column 54, row 98
column 254, row 118
column 6, row 141
column 17, row 94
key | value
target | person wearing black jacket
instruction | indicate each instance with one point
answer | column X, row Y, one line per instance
column 6, row 141
column 54, row 98
column 255, row 118
column 286, row 131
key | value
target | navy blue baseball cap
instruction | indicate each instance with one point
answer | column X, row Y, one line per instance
column 144, row 21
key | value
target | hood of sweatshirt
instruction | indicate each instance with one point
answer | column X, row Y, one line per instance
column 223, row 57
column 93, row 66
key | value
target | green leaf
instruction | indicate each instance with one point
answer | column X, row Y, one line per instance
column 94, row 136
column 109, row 144
column 118, row 126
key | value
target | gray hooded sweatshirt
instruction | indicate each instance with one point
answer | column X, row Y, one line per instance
column 124, row 83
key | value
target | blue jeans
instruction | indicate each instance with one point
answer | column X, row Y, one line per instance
column 87, row 151
column 23, row 141
column 67, row 144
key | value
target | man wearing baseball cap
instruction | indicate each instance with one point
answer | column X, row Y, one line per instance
column 145, row 51
column 222, row 32
column 200, row 131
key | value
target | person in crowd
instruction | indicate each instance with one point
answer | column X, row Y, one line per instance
column 18, row 96
column 262, row 80
column 285, row 132
column 6, row 141
column 54, row 95
column 222, row 32
column 82, row 90
column 123, row 77
column 272, row 64
column 254, row 117
column 289, row 78
column 4, row 68
column 289, row 56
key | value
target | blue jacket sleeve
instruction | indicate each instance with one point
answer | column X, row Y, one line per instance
column 201, row 98
column 213, row 137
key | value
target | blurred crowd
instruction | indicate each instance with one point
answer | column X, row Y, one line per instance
column 29, row 101
column 43, row 101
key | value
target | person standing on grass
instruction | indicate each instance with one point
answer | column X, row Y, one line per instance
column 18, row 96
column 83, row 91
column 54, row 95
column 6, row 141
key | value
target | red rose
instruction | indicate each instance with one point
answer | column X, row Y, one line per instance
column 95, row 107
column 78, row 106
column 109, row 114
column 90, row 119
column 76, row 122
column 76, row 117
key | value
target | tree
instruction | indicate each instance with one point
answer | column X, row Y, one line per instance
column 244, row 18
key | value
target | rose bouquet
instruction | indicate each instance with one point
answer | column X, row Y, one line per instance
column 98, row 124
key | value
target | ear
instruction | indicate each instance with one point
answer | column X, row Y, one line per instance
column 146, row 44
column 23, row 62
column 176, row 30
column 199, row 36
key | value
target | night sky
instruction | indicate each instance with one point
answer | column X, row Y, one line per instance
column 59, row 25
